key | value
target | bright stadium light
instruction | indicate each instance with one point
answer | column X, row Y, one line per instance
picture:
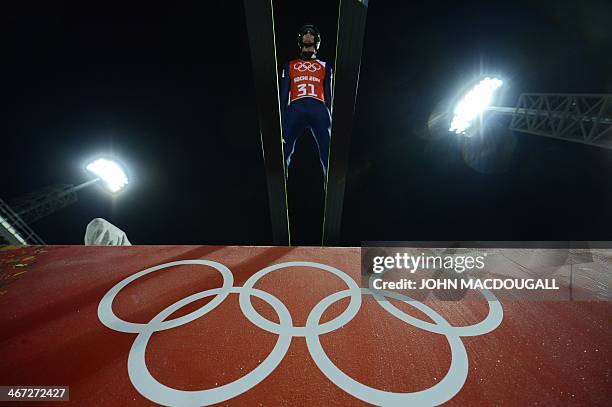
column 473, row 103
column 110, row 173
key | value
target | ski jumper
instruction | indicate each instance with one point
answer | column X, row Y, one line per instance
column 305, row 93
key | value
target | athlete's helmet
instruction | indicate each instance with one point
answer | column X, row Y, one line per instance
column 314, row 31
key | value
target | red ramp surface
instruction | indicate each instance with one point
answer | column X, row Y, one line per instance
column 57, row 329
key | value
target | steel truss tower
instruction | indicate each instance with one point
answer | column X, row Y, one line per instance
column 29, row 208
column 13, row 230
column 581, row 118
column 36, row 205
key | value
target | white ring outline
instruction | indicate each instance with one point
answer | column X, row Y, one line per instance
column 492, row 320
column 157, row 392
column 439, row 393
column 112, row 321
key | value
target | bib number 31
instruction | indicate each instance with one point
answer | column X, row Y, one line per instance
column 306, row 89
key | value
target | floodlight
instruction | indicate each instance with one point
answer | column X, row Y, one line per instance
column 473, row 103
column 110, row 172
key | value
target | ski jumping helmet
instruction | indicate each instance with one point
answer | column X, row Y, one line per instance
column 314, row 31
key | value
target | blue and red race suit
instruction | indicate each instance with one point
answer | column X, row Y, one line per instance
column 305, row 97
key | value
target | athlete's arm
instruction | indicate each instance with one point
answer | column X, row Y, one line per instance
column 327, row 85
column 285, row 84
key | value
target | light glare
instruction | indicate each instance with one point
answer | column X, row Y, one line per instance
column 473, row 103
column 110, row 172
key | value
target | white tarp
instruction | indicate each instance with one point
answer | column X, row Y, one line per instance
column 101, row 232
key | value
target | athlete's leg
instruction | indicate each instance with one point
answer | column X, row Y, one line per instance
column 294, row 122
column 320, row 123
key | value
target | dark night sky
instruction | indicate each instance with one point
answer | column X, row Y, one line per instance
column 168, row 88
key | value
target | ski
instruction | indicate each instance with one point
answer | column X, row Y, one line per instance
column 260, row 26
column 351, row 28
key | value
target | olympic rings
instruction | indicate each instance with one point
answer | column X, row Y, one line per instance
column 157, row 392
column 341, row 320
column 307, row 66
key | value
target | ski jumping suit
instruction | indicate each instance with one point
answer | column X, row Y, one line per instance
column 305, row 93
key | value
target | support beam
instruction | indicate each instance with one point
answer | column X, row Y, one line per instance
column 13, row 230
column 581, row 118
column 39, row 204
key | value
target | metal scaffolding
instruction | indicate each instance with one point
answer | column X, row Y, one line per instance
column 29, row 208
column 13, row 230
column 36, row 205
column 581, row 118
